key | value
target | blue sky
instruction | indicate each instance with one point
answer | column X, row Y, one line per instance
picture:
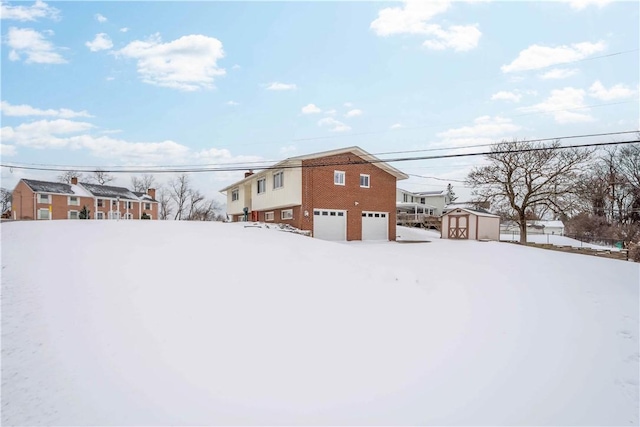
column 183, row 83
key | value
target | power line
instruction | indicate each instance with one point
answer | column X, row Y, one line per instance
column 352, row 162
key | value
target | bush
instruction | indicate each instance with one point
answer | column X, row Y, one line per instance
column 634, row 252
column 145, row 216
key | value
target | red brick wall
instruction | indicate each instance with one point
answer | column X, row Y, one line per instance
column 22, row 201
column 277, row 214
column 320, row 192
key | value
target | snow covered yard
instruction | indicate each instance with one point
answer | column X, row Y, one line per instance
column 158, row 323
column 555, row 240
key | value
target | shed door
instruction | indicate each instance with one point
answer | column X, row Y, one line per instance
column 459, row 226
column 375, row 226
column 330, row 224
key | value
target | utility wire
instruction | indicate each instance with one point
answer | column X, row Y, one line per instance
column 358, row 161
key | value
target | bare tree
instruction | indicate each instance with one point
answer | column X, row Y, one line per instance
column 195, row 198
column 5, row 199
column 207, row 211
column 66, row 176
column 164, row 202
column 518, row 179
column 143, row 183
column 101, row 177
column 179, row 191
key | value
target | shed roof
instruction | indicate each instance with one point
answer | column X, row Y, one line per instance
column 473, row 212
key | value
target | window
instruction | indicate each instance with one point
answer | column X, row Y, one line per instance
column 100, row 203
column 405, row 197
column 44, row 198
column 235, row 194
column 278, row 180
column 338, row 177
column 73, row 215
column 128, row 205
column 114, row 204
column 128, row 216
column 99, row 215
column 262, row 185
column 44, row 214
column 364, row 181
column 147, row 206
column 269, row 216
column 73, row 201
column 286, row 214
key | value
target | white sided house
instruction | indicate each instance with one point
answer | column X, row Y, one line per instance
column 468, row 224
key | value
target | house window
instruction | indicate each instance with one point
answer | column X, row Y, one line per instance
column 235, row 194
column 338, row 177
column 128, row 205
column 99, row 215
column 44, row 198
column 147, row 206
column 364, row 181
column 44, row 214
column 128, row 216
column 100, row 203
column 278, row 180
column 73, row 215
column 269, row 216
column 262, row 185
column 73, row 201
column 405, row 197
column 286, row 214
column 114, row 204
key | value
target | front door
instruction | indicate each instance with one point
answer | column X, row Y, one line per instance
column 459, row 226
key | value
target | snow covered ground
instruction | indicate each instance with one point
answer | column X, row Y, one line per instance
column 555, row 240
column 158, row 323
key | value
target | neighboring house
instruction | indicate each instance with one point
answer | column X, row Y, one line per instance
column 534, row 227
column 424, row 202
column 343, row 194
column 34, row 199
column 470, row 225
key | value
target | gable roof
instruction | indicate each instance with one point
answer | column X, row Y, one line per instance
column 144, row 196
column 368, row 158
column 431, row 193
column 109, row 192
column 38, row 186
column 473, row 212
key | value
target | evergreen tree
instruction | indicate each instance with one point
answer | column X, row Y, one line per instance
column 85, row 213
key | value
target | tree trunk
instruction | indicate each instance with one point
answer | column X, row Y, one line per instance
column 523, row 230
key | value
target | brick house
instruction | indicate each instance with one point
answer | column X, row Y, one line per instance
column 343, row 194
column 33, row 199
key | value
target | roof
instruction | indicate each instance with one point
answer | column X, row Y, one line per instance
column 474, row 212
column 413, row 205
column 55, row 187
column 431, row 193
column 109, row 192
column 466, row 205
column 144, row 196
column 355, row 150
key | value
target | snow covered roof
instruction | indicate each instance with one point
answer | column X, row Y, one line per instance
column 466, row 205
column 472, row 211
column 555, row 223
column 55, row 188
column 109, row 192
column 144, row 196
column 431, row 193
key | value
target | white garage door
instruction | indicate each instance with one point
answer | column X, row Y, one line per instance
column 375, row 226
column 330, row 224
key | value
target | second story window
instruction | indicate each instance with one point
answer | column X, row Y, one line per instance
column 338, row 177
column 364, row 181
column 278, row 179
column 235, row 194
column 44, row 198
column 100, row 203
column 73, row 201
column 262, row 185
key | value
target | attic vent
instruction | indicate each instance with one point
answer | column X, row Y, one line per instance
column 458, row 210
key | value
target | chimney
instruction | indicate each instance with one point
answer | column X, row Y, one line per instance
column 248, row 174
column 74, row 180
column 152, row 192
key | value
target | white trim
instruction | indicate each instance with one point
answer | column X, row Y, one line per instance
column 73, row 204
column 40, row 195
column 264, row 179
column 336, row 174
column 269, row 216
column 282, row 212
column 235, row 193
column 368, row 180
column 73, row 211
column 45, row 210
column 281, row 174
column 99, row 213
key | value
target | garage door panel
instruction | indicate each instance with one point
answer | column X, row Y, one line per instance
column 330, row 224
column 375, row 226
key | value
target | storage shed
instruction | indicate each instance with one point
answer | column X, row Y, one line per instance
column 468, row 224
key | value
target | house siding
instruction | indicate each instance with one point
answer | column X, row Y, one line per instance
column 320, row 192
column 289, row 195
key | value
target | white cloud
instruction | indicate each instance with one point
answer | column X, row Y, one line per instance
column 233, row 103
column 100, row 18
column 562, row 104
column 506, row 96
column 281, row 86
column 310, row 109
column 29, row 42
column 484, row 126
column 100, row 42
column 29, row 13
column 334, row 124
column 619, row 91
column 7, row 150
column 188, row 63
column 413, row 17
column 44, row 133
column 396, row 126
column 559, row 73
column 535, row 57
column 582, row 4
column 353, row 113
column 27, row 110
column 124, row 29
column 331, row 112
